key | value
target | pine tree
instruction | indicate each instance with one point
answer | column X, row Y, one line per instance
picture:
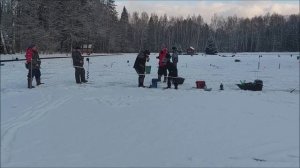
column 150, row 43
column 124, row 31
column 211, row 48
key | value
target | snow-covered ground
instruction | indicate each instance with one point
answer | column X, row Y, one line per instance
column 112, row 122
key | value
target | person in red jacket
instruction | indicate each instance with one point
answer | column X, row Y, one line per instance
column 162, row 69
column 33, row 64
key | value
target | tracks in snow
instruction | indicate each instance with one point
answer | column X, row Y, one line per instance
column 10, row 128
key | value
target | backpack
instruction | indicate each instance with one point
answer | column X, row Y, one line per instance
column 28, row 55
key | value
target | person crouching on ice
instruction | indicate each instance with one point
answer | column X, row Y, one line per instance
column 140, row 65
column 78, row 65
column 173, row 73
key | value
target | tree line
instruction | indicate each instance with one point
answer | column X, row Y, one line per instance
column 59, row 25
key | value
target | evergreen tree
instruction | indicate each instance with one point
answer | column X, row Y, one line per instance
column 150, row 43
column 124, row 31
column 211, row 48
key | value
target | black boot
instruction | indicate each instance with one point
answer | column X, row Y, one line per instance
column 83, row 76
column 141, row 83
column 77, row 75
column 169, row 85
column 175, row 83
column 29, row 83
column 165, row 79
column 169, row 82
column 141, row 80
column 38, row 81
column 159, row 78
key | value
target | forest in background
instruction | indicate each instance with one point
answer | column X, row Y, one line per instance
column 59, row 25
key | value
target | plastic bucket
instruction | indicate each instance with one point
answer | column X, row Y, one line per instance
column 200, row 84
column 148, row 69
column 180, row 80
column 154, row 83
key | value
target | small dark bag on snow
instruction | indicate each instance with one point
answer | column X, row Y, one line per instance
column 180, row 80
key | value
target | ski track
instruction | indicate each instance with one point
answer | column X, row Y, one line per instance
column 10, row 128
column 111, row 101
column 268, row 152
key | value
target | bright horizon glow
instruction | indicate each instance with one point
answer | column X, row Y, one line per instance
column 207, row 8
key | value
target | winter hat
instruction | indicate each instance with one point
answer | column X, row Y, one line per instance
column 147, row 52
column 31, row 45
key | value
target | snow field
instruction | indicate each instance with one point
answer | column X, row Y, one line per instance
column 111, row 122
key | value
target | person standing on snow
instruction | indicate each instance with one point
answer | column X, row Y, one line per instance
column 175, row 56
column 162, row 70
column 140, row 65
column 33, row 64
column 78, row 62
column 173, row 73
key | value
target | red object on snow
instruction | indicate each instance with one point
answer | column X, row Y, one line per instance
column 200, row 84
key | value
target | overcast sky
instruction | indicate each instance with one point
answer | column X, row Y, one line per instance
column 207, row 8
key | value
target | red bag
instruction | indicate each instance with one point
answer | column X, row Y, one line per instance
column 28, row 55
column 200, row 84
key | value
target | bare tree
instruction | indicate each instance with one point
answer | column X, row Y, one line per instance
column 58, row 25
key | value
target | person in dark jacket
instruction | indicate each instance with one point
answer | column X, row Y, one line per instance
column 140, row 65
column 33, row 64
column 173, row 73
column 78, row 62
column 175, row 56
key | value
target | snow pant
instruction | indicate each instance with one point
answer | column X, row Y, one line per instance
column 172, row 79
column 162, row 70
column 141, row 73
column 33, row 73
column 79, row 74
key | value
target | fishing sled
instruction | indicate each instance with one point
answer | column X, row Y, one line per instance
column 257, row 85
